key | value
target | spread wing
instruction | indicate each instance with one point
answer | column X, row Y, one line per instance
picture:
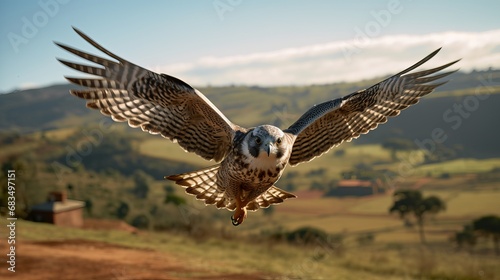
column 328, row 124
column 157, row 103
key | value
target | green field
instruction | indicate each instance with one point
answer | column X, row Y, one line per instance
column 162, row 148
column 464, row 165
column 459, row 203
column 353, row 215
column 237, row 254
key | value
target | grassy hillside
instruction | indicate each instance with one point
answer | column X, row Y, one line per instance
column 239, row 254
column 235, row 255
column 55, row 143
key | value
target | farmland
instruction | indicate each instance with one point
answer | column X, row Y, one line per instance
column 76, row 252
column 67, row 147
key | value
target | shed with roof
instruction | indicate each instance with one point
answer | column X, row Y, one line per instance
column 356, row 188
column 59, row 210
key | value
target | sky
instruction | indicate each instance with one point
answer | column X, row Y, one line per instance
column 248, row 42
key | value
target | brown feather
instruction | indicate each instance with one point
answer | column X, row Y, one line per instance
column 331, row 123
column 159, row 104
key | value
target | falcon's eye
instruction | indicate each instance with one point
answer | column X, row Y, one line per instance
column 278, row 141
column 258, row 141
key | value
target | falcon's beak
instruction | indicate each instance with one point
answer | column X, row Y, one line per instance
column 269, row 148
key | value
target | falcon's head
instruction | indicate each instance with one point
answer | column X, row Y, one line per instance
column 266, row 141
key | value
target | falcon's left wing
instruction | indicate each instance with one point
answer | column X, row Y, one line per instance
column 328, row 124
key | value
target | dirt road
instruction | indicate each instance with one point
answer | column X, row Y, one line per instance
column 83, row 259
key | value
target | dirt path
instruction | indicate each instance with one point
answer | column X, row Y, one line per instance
column 83, row 259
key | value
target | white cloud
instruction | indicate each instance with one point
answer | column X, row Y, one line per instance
column 28, row 85
column 360, row 58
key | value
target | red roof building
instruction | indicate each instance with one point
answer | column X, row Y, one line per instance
column 353, row 187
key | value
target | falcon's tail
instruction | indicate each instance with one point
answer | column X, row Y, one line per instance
column 203, row 184
column 273, row 195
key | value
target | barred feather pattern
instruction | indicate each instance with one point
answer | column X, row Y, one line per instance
column 157, row 103
column 273, row 195
column 329, row 124
column 204, row 185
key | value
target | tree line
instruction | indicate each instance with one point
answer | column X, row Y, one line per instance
column 413, row 203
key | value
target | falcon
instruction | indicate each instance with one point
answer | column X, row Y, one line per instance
column 249, row 161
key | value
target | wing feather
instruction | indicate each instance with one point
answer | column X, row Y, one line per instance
column 273, row 195
column 329, row 124
column 157, row 103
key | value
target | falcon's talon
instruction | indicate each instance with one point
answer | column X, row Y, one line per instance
column 239, row 216
column 234, row 222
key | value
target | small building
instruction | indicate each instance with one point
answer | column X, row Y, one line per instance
column 355, row 188
column 59, row 210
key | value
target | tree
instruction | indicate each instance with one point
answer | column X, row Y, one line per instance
column 489, row 226
column 88, row 206
column 465, row 237
column 71, row 190
column 339, row 153
column 141, row 181
column 397, row 144
column 25, row 174
column 122, row 210
column 141, row 221
column 172, row 198
column 268, row 211
column 408, row 202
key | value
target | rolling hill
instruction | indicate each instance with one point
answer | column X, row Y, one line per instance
column 464, row 109
column 55, row 143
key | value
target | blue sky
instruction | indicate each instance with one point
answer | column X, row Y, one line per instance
column 256, row 42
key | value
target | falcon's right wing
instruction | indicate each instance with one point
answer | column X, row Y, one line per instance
column 157, row 103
